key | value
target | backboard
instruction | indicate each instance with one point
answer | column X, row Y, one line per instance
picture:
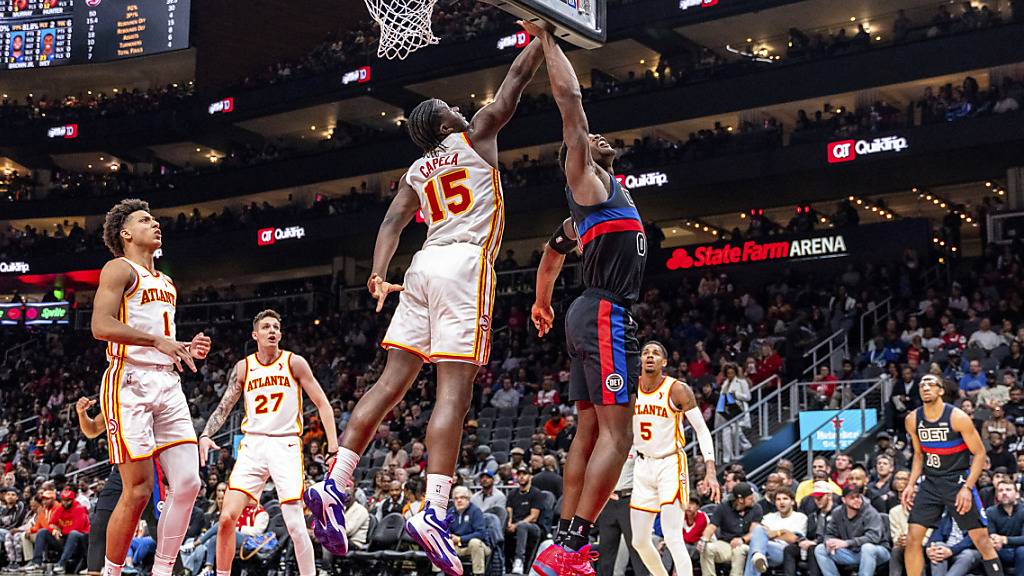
column 580, row 22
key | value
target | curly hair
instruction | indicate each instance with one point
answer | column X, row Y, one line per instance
column 424, row 125
column 114, row 223
column 268, row 313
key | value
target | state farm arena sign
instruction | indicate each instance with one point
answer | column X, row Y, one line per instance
column 850, row 150
column 753, row 251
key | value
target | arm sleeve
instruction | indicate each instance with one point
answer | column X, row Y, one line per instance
column 560, row 241
column 700, row 429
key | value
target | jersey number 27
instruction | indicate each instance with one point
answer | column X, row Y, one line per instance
column 457, row 196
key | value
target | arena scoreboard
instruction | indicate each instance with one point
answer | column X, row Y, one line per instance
column 43, row 33
column 580, row 22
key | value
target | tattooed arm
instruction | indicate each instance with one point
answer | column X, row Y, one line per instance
column 235, row 382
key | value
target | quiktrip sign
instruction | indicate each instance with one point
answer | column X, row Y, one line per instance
column 520, row 39
column 360, row 75
column 222, row 106
column 850, row 150
column 14, row 267
column 67, row 131
column 687, row 4
column 637, row 181
column 268, row 236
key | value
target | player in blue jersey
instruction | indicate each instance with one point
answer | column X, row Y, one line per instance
column 948, row 459
column 600, row 333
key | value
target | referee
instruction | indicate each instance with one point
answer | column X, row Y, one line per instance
column 106, row 500
column 613, row 525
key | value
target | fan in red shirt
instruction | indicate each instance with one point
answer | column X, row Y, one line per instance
column 768, row 365
column 824, row 385
column 67, row 530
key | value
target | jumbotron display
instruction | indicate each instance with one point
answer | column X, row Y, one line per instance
column 43, row 33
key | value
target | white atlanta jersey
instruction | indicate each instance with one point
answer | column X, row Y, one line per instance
column 657, row 425
column 273, row 398
column 147, row 306
column 460, row 196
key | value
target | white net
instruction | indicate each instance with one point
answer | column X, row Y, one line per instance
column 404, row 26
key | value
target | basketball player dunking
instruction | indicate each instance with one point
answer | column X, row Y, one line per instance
column 272, row 381
column 444, row 311
column 144, row 407
column 948, row 459
column 661, row 477
column 600, row 334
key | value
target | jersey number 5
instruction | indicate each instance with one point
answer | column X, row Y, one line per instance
column 262, row 401
column 457, row 196
column 645, row 430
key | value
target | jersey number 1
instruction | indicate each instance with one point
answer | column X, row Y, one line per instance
column 167, row 325
column 457, row 196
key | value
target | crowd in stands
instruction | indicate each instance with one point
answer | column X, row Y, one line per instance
column 722, row 336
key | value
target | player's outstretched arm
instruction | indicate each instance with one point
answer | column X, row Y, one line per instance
column 115, row 278
column 304, row 374
column 682, row 396
column 962, row 423
column 91, row 427
column 492, row 118
column 402, row 209
column 916, row 466
column 236, row 379
column 587, row 188
column 562, row 242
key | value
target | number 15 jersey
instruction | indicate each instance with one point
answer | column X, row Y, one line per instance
column 273, row 398
column 460, row 196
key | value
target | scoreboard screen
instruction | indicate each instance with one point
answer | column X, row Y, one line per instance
column 42, row 33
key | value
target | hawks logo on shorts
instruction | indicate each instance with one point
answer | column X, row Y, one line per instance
column 444, row 313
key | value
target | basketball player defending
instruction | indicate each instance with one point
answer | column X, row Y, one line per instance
column 600, row 334
column 661, row 477
column 948, row 459
column 444, row 311
column 272, row 381
column 145, row 410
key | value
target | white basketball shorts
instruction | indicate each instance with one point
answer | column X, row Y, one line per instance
column 660, row 481
column 145, row 410
column 276, row 457
column 444, row 313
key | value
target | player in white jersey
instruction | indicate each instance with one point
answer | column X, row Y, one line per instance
column 271, row 381
column 661, row 477
column 444, row 311
column 145, row 410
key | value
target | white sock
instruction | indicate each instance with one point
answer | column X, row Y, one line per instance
column 439, row 488
column 162, row 565
column 344, row 466
column 111, row 568
column 223, row 572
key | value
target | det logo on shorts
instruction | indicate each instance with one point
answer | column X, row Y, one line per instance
column 614, row 382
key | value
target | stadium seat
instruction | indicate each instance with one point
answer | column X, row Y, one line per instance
column 499, row 446
column 974, row 353
column 508, row 413
column 529, row 411
column 506, row 422
column 1000, row 352
column 523, row 432
column 524, row 443
column 43, row 470
column 500, row 457
column 501, row 434
column 58, row 470
column 500, row 513
column 489, row 412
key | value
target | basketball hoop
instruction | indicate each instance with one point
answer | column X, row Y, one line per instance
column 404, row 26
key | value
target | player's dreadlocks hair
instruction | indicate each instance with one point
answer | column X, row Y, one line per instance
column 424, row 125
column 268, row 313
column 114, row 223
